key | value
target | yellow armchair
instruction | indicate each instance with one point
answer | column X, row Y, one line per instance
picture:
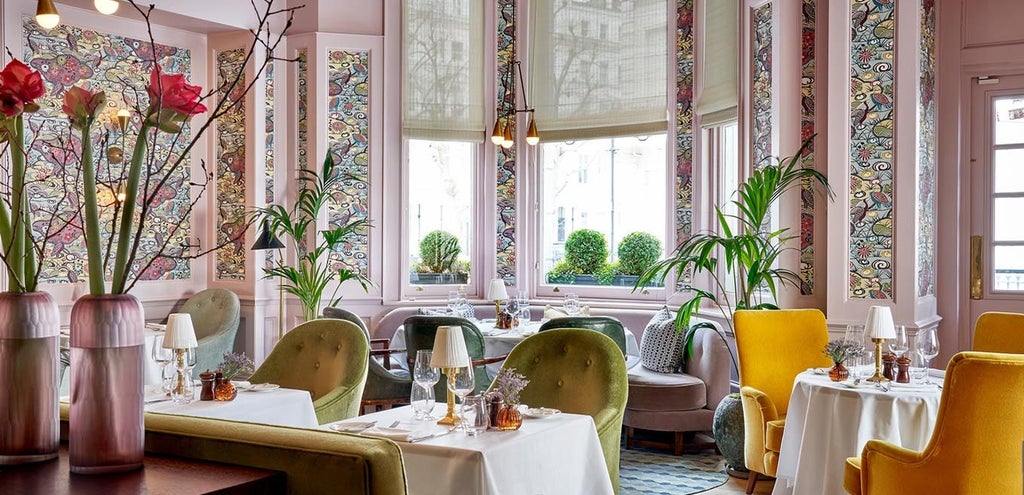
column 773, row 347
column 999, row 332
column 976, row 445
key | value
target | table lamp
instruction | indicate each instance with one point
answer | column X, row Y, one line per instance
column 449, row 354
column 879, row 326
column 497, row 293
column 180, row 336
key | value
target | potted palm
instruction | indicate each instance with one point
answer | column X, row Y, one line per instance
column 744, row 258
column 314, row 273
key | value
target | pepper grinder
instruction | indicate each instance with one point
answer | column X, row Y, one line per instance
column 207, row 378
column 888, row 366
column 903, row 369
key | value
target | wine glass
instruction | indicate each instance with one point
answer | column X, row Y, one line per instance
column 453, row 302
column 927, row 347
column 899, row 346
column 422, row 400
column 461, row 383
column 855, row 337
column 571, row 304
column 162, row 357
column 425, row 376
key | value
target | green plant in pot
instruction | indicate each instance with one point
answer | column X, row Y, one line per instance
column 586, row 253
column 637, row 252
column 439, row 259
column 313, row 273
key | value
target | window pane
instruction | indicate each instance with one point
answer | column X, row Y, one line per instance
column 1006, row 219
column 1008, row 262
column 1009, row 124
column 440, row 202
column 614, row 187
column 1009, row 171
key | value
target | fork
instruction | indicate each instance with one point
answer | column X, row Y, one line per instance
column 395, row 424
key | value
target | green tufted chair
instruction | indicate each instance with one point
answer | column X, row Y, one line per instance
column 383, row 386
column 215, row 315
column 607, row 325
column 419, row 334
column 577, row 372
column 328, row 358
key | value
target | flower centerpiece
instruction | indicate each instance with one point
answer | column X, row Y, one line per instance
column 507, row 385
column 234, row 366
column 839, row 351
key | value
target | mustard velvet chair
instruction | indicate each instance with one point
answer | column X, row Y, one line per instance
column 999, row 332
column 773, row 347
column 215, row 316
column 384, row 387
column 975, row 448
column 328, row 358
column 579, row 372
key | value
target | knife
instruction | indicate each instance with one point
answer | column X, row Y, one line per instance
column 432, row 435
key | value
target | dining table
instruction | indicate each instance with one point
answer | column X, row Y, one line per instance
column 827, row 421
column 557, row 454
column 267, row 405
column 499, row 342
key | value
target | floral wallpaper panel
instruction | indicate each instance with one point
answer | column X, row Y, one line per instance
column 871, row 149
column 68, row 55
column 506, row 158
column 807, row 129
column 761, row 85
column 684, row 120
column 926, row 154
column 302, row 133
column 268, row 179
column 348, row 137
column 230, row 259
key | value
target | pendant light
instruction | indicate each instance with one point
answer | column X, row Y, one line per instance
column 46, row 14
column 106, row 7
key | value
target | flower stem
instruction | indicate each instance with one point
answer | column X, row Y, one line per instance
column 92, row 215
column 124, row 234
column 19, row 215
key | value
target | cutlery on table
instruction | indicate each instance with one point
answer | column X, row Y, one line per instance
column 395, row 424
column 432, row 435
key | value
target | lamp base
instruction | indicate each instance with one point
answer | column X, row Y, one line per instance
column 878, row 377
column 450, row 418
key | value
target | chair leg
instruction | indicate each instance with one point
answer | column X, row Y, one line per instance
column 629, row 438
column 751, row 481
column 677, row 443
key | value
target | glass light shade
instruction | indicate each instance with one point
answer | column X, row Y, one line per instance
column 449, row 348
column 506, row 138
column 180, row 333
column 879, row 324
column 499, row 134
column 46, row 14
column 106, row 6
column 122, row 118
column 532, row 138
column 496, row 291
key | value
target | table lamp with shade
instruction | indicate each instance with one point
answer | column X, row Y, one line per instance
column 449, row 354
column 879, row 326
column 180, row 336
column 497, row 293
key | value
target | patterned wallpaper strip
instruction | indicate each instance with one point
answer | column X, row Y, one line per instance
column 67, row 56
column 348, row 137
column 926, row 155
column 871, row 149
column 807, row 129
column 684, row 121
column 761, row 85
column 268, row 179
column 506, row 158
column 302, row 134
column 230, row 170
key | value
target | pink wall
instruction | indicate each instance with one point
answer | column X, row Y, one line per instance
column 339, row 16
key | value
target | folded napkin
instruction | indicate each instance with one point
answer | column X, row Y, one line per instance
column 552, row 312
column 396, row 434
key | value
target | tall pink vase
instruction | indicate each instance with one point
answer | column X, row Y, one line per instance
column 106, row 433
column 29, row 341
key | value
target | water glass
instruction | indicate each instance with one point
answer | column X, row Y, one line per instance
column 423, row 373
column 571, row 304
column 422, row 400
column 927, row 347
column 899, row 346
column 162, row 357
column 461, row 383
column 475, row 415
column 453, row 303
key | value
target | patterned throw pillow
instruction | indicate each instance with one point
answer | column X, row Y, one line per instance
column 661, row 347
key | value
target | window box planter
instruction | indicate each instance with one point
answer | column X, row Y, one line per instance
column 439, row 278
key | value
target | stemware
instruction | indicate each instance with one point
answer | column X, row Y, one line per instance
column 899, row 346
column 453, row 302
column 571, row 304
column 927, row 347
column 475, row 416
column 425, row 377
column 461, row 383
column 855, row 337
column 422, row 400
column 183, row 387
column 162, row 357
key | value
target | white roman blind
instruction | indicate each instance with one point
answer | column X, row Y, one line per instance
column 599, row 67
column 442, row 65
column 720, row 31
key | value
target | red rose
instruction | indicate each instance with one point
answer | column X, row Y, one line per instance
column 10, row 104
column 22, row 81
column 171, row 92
column 80, row 105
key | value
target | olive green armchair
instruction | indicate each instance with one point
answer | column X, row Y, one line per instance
column 328, row 358
column 607, row 325
column 215, row 316
column 577, row 372
column 384, row 386
column 419, row 334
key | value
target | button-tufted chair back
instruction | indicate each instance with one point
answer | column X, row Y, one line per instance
column 607, row 325
column 578, row 372
column 328, row 358
column 381, row 384
column 215, row 315
column 419, row 334
column 999, row 332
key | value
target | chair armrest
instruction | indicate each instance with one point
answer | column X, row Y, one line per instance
column 885, row 465
column 386, row 353
column 489, row 360
column 758, row 410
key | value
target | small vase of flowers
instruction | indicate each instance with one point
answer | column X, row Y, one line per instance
column 233, row 366
column 508, row 384
column 839, row 351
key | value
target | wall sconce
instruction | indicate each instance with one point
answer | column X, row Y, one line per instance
column 106, row 7
column 46, row 14
column 504, row 123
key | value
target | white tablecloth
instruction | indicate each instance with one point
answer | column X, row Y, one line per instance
column 500, row 342
column 282, row 406
column 559, row 455
column 827, row 422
